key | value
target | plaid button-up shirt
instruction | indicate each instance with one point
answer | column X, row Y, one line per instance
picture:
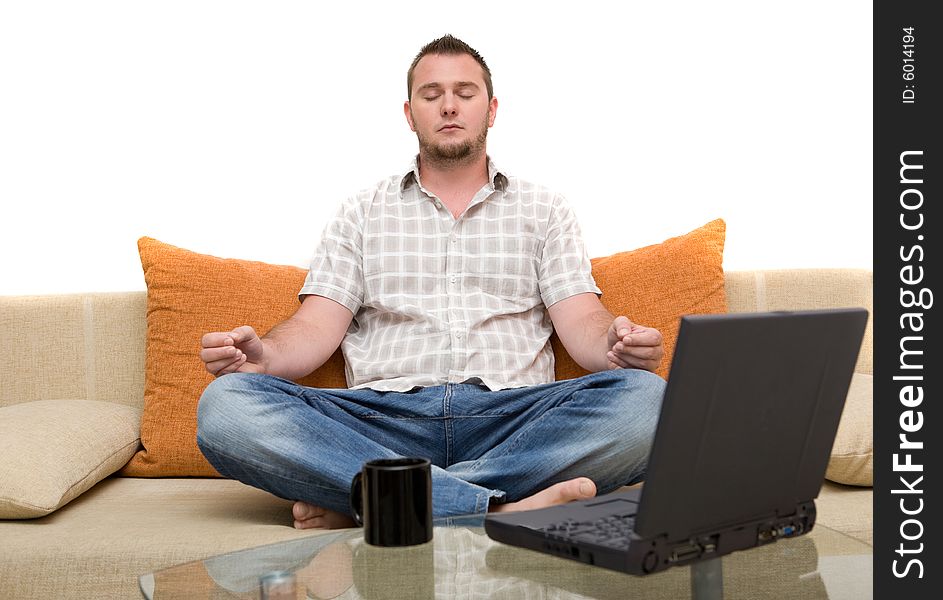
column 441, row 300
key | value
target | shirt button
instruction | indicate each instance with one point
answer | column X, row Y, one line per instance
column 453, row 279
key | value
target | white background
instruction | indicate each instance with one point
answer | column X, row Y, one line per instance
column 235, row 128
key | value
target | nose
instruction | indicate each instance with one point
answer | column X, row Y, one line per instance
column 449, row 105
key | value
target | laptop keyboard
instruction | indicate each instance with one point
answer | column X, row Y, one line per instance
column 612, row 531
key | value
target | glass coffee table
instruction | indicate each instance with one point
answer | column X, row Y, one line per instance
column 462, row 562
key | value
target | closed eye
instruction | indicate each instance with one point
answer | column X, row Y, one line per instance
column 436, row 97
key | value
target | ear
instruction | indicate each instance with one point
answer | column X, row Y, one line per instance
column 409, row 115
column 492, row 111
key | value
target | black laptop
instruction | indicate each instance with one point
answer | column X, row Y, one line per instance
column 743, row 440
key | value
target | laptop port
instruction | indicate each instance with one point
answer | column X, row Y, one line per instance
column 766, row 535
column 683, row 553
column 708, row 543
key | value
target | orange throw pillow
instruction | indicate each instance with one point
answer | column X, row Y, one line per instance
column 189, row 294
column 656, row 285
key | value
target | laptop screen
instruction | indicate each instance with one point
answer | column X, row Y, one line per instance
column 749, row 417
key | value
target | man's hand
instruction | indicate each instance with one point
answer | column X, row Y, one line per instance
column 634, row 346
column 239, row 350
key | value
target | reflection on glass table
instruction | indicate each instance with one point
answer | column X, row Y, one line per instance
column 462, row 562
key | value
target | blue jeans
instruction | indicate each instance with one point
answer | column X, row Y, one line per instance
column 303, row 443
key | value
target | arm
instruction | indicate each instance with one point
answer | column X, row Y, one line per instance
column 291, row 349
column 597, row 340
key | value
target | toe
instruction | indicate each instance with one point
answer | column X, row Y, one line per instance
column 308, row 523
column 586, row 487
column 302, row 511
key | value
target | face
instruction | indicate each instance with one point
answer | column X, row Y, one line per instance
column 449, row 108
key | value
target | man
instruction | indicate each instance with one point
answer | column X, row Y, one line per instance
column 440, row 285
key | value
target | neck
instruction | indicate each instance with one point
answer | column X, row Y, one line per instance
column 449, row 176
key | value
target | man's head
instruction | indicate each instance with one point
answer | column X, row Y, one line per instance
column 451, row 103
column 448, row 45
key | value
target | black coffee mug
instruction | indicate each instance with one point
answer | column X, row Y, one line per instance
column 392, row 499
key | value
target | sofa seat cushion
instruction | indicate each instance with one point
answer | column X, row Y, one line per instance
column 847, row 509
column 98, row 545
column 53, row 450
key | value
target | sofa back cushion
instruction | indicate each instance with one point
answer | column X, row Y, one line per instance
column 805, row 289
column 72, row 346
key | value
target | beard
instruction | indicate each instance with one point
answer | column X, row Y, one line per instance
column 456, row 153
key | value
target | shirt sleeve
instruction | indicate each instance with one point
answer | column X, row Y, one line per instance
column 565, row 269
column 336, row 270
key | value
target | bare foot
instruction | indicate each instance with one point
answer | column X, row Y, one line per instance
column 580, row 488
column 309, row 516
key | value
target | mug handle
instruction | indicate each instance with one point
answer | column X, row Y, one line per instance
column 356, row 499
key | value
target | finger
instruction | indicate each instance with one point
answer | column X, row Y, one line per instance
column 638, row 363
column 233, row 366
column 242, row 334
column 637, row 352
column 216, row 339
column 643, row 337
column 220, row 367
column 649, row 363
column 617, row 360
column 222, row 353
column 216, row 367
column 622, row 326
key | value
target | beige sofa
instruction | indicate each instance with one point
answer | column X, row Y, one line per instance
column 91, row 347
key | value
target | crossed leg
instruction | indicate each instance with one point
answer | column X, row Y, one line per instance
column 289, row 462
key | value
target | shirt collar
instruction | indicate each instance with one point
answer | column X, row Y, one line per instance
column 498, row 177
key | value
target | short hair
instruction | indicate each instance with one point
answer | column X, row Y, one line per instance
column 448, row 45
